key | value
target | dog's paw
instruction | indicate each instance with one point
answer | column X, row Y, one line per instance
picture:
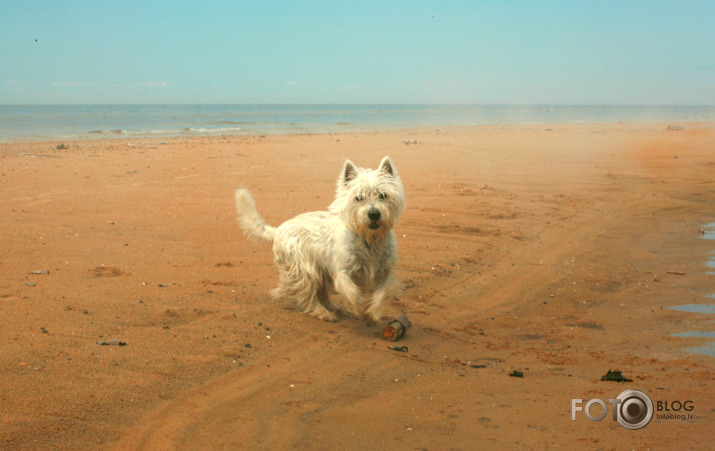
column 328, row 316
column 321, row 312
column 371, row 318
column 372, row 314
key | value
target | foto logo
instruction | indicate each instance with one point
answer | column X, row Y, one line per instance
column 633, row 409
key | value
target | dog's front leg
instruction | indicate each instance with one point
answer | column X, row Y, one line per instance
column 380, row 297
column 351, row 292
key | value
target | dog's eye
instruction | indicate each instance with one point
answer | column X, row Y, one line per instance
column 383, row 196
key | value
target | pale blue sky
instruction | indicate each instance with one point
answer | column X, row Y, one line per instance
column 481, row 52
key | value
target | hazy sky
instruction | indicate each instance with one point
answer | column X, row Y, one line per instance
column 483, row 52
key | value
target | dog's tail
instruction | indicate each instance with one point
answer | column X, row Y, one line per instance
column 251, row 222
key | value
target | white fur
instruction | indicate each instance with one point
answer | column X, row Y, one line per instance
column 351, row 246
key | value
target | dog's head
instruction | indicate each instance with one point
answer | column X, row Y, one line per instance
column 369, row 201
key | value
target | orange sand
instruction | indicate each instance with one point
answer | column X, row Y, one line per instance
column 544, row 249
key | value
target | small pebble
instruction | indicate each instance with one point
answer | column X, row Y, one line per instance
column 112, row 343
column 398, row 348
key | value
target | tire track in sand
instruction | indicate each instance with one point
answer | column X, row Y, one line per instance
column 285, row 392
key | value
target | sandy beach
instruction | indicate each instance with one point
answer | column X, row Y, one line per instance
column 552, row 250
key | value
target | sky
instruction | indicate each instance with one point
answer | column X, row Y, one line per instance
column 357, row 52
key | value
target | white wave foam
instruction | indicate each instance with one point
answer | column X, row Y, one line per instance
column 212, row 130
column 162, row 132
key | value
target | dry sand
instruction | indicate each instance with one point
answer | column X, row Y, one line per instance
column 552, row 250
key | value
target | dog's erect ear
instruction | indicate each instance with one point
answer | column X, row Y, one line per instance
column 387, row 166
column 349, row 172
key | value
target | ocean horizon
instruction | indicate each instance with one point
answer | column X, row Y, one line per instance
column 68, row 122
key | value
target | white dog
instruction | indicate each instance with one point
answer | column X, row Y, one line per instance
column 351, row 246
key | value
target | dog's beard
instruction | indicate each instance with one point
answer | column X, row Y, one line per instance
column 373, row 232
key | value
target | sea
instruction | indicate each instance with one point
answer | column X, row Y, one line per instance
column 67, row 122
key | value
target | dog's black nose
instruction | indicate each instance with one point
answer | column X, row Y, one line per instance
column 373, row 214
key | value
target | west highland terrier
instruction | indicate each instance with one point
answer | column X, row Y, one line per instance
column 351, row 246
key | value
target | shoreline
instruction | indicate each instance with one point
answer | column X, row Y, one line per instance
column 132, row 121
column 549, row 126
column 554, row 250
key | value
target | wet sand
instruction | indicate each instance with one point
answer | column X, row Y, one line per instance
column 554, row 250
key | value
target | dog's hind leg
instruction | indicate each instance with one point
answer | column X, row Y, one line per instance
column 306, row 293
column 324, row 300
column 310, row 302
